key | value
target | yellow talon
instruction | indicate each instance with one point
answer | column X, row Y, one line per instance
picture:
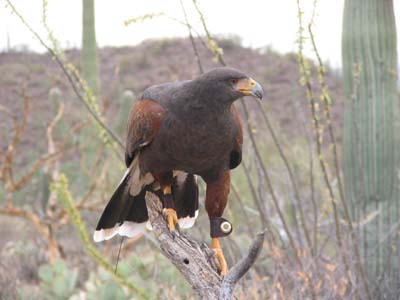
column 215, row 245
column 171, row 217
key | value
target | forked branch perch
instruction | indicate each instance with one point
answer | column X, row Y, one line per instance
column 196, row 262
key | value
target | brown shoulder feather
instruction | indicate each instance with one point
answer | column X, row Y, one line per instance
column 143, row 123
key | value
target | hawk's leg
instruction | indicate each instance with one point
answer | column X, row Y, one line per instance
column 169, row 211
column 216, row 199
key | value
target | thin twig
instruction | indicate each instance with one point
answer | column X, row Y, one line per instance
column 61, row 188
column 256, row 200
column 269, row 185
column 311, row 173
column 327, row 103
column 196, row 54
column 291, row 177
column 212, row 45
column 69, row 77
column 318, row 131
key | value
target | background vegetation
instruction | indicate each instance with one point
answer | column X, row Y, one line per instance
column 61, row 158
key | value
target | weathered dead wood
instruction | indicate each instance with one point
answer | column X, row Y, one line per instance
column 195, row 261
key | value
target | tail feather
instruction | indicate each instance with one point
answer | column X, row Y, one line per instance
column 116, row 205
column 138, row 210
column 126, row 212
column 186, row 198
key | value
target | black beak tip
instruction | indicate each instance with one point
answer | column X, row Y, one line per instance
column 258, row 95
column 257, row 91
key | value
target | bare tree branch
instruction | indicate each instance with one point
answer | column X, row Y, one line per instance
column 237, row 271
column 195, row 261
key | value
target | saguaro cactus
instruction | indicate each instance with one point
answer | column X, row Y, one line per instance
column 371, row 136
column 90, row 66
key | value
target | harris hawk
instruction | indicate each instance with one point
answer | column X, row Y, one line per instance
column 176, row 132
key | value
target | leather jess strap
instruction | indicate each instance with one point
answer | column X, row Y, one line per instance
column 220, row 227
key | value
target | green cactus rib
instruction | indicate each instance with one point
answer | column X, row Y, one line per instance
column 371, row 141
column 90, row 68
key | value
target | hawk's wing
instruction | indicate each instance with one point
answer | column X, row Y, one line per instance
column 143, row 123
column 236, row 154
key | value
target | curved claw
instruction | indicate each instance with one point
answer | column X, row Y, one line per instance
column 215, row 245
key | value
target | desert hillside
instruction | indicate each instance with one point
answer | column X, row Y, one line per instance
column 157, row 61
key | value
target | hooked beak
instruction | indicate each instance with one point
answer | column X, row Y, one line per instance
column 250, row 87
column 257, row 90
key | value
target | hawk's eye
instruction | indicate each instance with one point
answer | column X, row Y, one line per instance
column 234, row 81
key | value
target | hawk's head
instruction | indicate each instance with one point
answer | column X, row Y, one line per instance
column 227, row 84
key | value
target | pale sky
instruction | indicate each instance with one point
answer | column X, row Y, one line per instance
column 258, row 22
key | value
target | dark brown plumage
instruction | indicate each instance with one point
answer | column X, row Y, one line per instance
column 175, row 132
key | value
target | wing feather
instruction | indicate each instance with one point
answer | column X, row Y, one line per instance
column 236, row 154
column 144, row 121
